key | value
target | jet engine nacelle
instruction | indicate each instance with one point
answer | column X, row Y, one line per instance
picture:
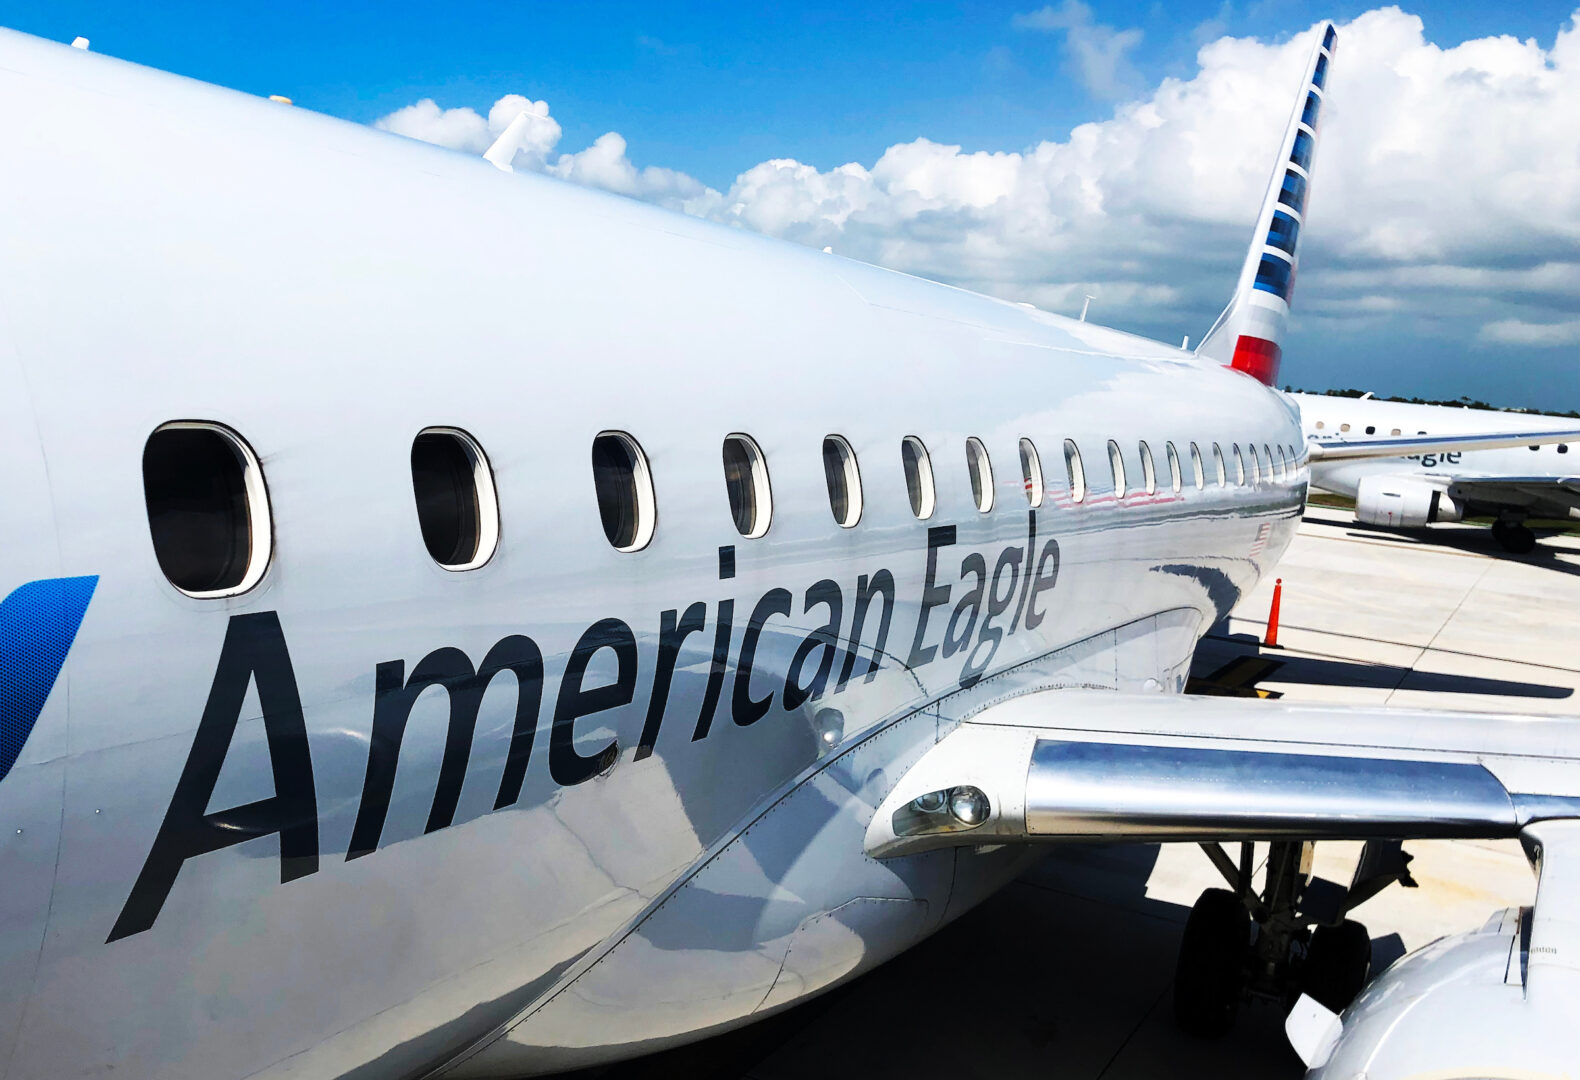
column 1400, row 501
column 1458, row 1007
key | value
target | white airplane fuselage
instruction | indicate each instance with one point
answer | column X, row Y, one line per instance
column 179, row 252
column 1340, row 417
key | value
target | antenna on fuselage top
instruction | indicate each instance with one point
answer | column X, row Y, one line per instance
column 503, row 152
column 1085, row 306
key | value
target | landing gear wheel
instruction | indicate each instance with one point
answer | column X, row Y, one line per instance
column 1211, row 969
column 1338, row 960
column 1514, row 537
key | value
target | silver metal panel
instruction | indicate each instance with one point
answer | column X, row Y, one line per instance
column 1109, row 791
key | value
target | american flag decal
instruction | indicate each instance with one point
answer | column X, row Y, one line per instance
column 1260, row 543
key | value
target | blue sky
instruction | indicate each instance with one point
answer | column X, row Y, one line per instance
column 711, row 90
column 707, row 88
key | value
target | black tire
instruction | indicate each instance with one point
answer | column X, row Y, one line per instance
column 1514, row 538
column 1210, row 974
column 1338, row 959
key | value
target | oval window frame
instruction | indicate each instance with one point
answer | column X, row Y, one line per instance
column 1149, row 470
column 1031, row 472
column 646, row 499
column 1116, row 469
column 979, row 467
column 761, row 485
column 260, row 518
column 488, row 525
column 923, row 494
column 1074, row 471
column 852, row 473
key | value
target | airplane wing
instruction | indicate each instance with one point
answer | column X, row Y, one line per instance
column 1093, row 765
column 1526, row 491
column 1335, row 448
column 1073, row 765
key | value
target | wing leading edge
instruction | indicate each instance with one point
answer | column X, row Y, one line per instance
column 1346, row 449
column 1073, row 765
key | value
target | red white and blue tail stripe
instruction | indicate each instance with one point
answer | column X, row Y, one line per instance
column 1248, row 335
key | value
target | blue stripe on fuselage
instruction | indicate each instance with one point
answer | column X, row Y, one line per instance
column 38, row 623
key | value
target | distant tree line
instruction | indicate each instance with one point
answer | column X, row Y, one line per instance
column 1458, row 403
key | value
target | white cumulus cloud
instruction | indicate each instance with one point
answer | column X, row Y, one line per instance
column 1445, row 208
column 1540, row 335
column 1100, row 52
column 465, row 129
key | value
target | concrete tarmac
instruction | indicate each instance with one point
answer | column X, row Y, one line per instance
column 1067, row 972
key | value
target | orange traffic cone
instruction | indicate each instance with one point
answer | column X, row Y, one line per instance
column 1271, row 638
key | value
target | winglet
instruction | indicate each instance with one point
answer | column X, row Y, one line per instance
column 1249, row 333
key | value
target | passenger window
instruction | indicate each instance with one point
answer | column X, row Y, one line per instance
column 1031, row 472
column 1074, row 470
column 1217, row 460
column 981, row 473
column 1320, row 425
column 1395, row 431
column 1563, row 448
column 1239, row 466
column 1174, row 467
column 746, row 479
column 208, row 509
column 1256, row 467
column 844, row 480
column 1149, row 475
column 625, row 490
column 918, row 477
column 1371, row 429
column 1196, row 467
column 1116, row 465
column 456, row 504
column 1344, row 427
column 1283, row 466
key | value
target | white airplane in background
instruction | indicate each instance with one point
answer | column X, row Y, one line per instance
column 460, row 624
column 1524, row 471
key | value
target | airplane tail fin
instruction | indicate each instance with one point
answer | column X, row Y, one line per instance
column 1249, row 333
